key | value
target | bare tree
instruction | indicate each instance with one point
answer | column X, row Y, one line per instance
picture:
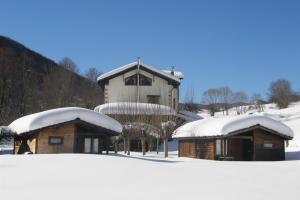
column 240, row 99
column 69, row 64
column 257, row 101
column 167, row 131
column 281, row 93
column 92, row 74
column 225, row 98
column 211, row 98
column 189, row 103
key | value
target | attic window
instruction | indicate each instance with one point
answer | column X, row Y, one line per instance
column 144, row 80
column 55, row 140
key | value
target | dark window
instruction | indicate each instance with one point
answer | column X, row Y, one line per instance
column 144, row 80
column 56, row 140
column 132, row 80
column 153, row 99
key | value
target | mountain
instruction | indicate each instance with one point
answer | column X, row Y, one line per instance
column 30, row 82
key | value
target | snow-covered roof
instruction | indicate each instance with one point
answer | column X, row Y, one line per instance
column 226, row 125
column 130, row 65
column 178, row 74
column 60, row 115
column 132, row 108
column 188, row 116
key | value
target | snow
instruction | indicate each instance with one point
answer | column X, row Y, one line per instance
column 131, row 108
column 176, row 73
column 130, row 65
column 115, row 177
column 188, row 116
column 61, row 115
column 227, row 125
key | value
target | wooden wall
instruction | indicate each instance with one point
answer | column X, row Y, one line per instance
column 205, row 148
column 187, row 148
column 261, row 153
column 66, row 131
column 197, row 148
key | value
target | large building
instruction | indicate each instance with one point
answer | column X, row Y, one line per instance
column 141, row 83
column 142, row 98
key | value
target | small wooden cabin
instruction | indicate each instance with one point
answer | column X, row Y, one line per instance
column 64, row 130
column 242, row 138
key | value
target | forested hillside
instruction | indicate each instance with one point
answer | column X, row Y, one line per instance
column 30, row 82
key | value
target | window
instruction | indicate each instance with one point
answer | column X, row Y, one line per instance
column 144, row 80
column 91, row 145
column 56, row 140
column 268, row 145
column 154, row 99
column 218, row 147
column 87, row 145
column 132, row 80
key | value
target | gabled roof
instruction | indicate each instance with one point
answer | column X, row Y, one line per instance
column 61, row 115
column 133, row 65
column 224, row 126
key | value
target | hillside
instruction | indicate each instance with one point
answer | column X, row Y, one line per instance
column 30, row 82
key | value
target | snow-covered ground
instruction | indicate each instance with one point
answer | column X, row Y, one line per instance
column 79, row 176
column 71, row 176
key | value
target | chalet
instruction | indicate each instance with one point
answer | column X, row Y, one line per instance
column 140, row 83
column 64, row 130
column 140, row 97
column 239, row 138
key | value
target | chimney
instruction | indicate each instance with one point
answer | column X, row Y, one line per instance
column 172, row 70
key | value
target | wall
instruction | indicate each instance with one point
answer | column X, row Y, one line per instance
column 187, row 148
column 277, row 152
column 66, row 131
column 197, row 148
column 206, row 149
column 117, row 91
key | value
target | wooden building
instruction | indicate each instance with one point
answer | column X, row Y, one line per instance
column 64, row 130
column 241, row 138
column 138, row 82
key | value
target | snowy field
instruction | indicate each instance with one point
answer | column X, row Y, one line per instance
column 79, row 176
column 70, row 176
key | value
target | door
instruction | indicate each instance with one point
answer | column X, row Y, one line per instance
column 91, row 145
column 247, row 146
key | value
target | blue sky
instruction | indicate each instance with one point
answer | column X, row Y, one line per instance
column 241, row 44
